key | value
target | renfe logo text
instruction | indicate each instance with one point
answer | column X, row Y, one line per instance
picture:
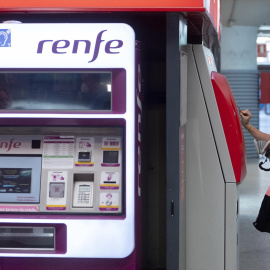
column 9, row 145
column 63, row 46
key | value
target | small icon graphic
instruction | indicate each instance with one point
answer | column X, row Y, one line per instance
column 5, row 38
column 110, row 175
column 109, row 202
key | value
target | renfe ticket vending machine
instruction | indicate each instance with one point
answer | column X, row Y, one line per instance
column 215, row 165
column 69, row 168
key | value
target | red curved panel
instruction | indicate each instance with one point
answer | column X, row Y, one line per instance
column 231, row 124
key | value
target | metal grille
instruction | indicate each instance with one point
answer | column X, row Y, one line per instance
column 245, row 88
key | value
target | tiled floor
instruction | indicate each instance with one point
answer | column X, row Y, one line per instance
column 254, row 245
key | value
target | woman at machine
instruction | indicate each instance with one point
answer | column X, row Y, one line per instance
column 257, row 134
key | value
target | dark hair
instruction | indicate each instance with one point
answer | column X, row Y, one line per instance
column 4, row 90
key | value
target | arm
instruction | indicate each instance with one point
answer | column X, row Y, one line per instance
column 257, row 134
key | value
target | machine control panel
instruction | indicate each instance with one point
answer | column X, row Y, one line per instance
column 70, row 173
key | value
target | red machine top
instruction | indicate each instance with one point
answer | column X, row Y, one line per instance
column 231, row 124
column 62, row 5
column 211, row 7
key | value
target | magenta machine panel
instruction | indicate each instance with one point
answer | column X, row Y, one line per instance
column 70, row 113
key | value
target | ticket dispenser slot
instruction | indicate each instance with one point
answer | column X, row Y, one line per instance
column 83, row 190
column 27, row 238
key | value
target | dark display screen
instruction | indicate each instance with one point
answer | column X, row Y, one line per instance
column 56, row 91
column 15, row 180
column 110, row 156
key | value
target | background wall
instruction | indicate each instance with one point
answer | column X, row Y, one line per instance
column 239, row 65
column 238, row 48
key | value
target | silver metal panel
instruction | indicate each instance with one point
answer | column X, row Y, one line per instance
column 205, row 186
column 27, row 238
column 205, row 65
column 231, row 236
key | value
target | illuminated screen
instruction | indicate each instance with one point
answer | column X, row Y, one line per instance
column 15, row 180
column 110, row 156
column 55, row 91
column 20, row 178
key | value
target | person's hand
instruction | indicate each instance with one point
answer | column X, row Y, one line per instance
column 245, row 117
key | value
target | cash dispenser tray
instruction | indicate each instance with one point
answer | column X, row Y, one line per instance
column 38, row 238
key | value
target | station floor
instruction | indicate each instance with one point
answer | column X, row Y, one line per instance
column 254, row 246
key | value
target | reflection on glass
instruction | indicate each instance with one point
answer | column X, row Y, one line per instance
column 55, row 91
column 5, row 100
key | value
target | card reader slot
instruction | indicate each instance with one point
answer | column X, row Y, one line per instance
column 109, row 182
